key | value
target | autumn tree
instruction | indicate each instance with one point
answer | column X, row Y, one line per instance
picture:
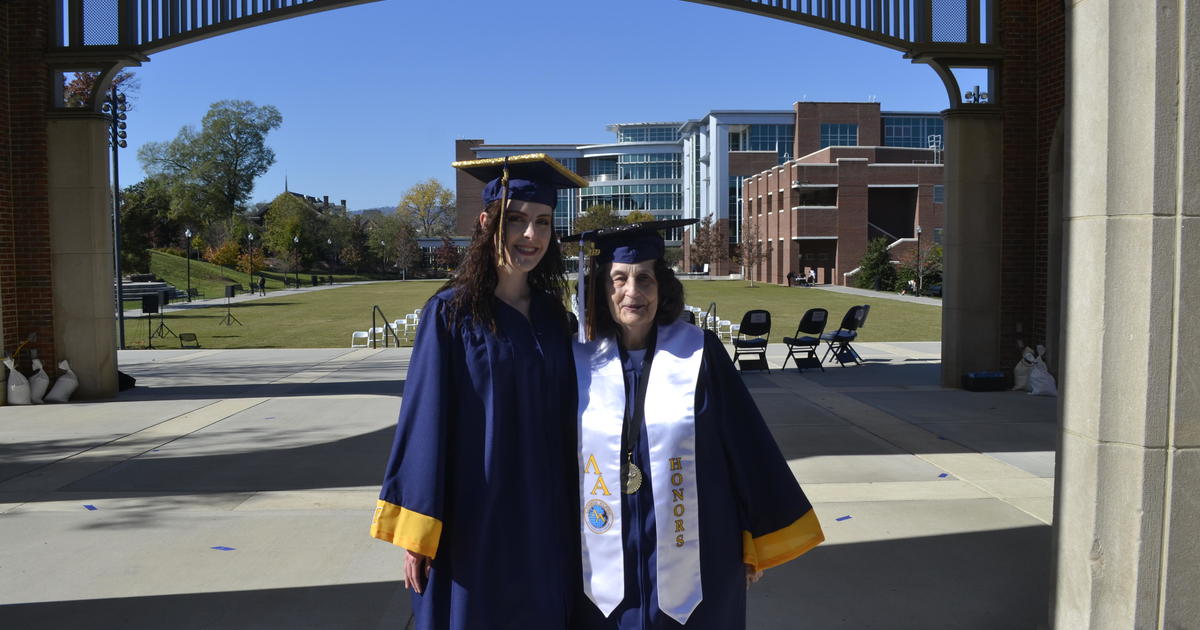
column 429, row 208
column 448, row 255
column 82, row 85
column 709, row 245
column 212, row 170
column 753, row 249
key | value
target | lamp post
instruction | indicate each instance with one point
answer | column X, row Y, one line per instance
column 296, row 253
column 116, row 107
column 920, row 275
column 187, row 239
column 250, row 238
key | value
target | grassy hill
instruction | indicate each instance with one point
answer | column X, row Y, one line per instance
column 211, row 279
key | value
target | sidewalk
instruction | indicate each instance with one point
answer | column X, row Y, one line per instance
column 248, row 297
column 882, row 295
column 234, row 489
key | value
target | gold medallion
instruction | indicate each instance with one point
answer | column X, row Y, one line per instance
column 633, row 479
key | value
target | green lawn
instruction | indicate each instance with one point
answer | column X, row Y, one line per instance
column 889, row 320
column 325, row 319
column 211, row 279
column 318, row 319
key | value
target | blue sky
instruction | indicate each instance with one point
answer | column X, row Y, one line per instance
column 373, row 96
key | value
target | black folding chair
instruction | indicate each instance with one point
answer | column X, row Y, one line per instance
column 838, row 342
column 807, row 340
column 751, row 340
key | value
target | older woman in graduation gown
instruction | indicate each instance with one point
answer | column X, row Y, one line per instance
column 479, row 485
column 684, row 495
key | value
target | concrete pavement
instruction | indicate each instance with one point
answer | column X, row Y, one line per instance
column 234, row 489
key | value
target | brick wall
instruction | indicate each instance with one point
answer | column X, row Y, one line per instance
column 1032, row 32
column 25, row 278
column 468, row 191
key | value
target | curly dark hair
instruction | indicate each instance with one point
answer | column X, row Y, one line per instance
column 476, row 277
column 600, row 322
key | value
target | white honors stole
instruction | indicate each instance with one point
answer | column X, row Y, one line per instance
column 671, row 431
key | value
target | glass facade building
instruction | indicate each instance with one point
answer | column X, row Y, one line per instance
column 911, row 130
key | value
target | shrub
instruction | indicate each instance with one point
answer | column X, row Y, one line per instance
column 226, row 255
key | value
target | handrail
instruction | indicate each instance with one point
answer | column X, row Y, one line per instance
column 711, row 316
column 387, row 328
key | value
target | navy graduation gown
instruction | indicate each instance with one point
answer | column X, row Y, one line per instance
column 481, row 469
column 752, row 510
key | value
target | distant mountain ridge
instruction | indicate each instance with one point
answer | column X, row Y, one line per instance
column 380, row 210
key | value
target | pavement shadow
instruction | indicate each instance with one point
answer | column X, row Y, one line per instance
column 358, row 606
column 986, row 580
column 983, row 581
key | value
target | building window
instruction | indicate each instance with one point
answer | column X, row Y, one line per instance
column 937, row 236
column 648, row 134
column 735, row 208
column 602, row 166
column 911, row 131
column 839, row 135
column 649, row 166
column 777, row 138
column 939, row 193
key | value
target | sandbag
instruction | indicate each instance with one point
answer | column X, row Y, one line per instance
column 18, row 385
column 1021, row 371
column 64, row 386
column 1041, row 382
column 38, row 383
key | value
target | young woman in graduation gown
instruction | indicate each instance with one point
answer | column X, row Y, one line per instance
column 684, row 496
column 476, row 489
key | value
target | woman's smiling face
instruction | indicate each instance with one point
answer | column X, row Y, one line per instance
column 528, row 228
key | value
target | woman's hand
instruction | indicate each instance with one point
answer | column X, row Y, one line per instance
column 752, row 576
column 416, row 571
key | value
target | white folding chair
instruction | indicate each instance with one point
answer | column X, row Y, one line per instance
column 725, row 330
column 360, row 339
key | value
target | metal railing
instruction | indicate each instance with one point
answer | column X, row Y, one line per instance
column 388, row 327
column 900, row 24
column 148, row 26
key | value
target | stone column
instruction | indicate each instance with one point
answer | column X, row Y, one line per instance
column 81, row 251
column 972, row 242
column 1128, row 495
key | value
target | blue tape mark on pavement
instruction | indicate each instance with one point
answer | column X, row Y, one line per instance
column 91, row 508
column 943, row 476
column 222, row 548
column 842, row 518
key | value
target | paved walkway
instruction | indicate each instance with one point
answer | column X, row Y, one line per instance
column 881, row 295
column 247, row 297
column 234, row 489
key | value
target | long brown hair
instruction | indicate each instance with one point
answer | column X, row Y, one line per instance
column 600, row 322
column 476, row 278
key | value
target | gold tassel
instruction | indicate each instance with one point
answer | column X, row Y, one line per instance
column 501, row 230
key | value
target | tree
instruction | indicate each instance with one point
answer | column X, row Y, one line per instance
column 79, row 89
column 593, row 218
column 429, row 207
column 394, row 242
column 709, row 245
column 145, row 224
column 226, row 255
column 875, row 271
column 638, row 216
column 448, row 256
column 931, row 267
column 753, row 249
column 212, row 171
column 351, row 256
column 289, row 217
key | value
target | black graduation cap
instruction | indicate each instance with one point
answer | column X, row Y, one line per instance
column 534, row 177
column 630, row 243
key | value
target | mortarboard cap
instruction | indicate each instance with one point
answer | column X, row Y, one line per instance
column 630, row 243
column 533, row 177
